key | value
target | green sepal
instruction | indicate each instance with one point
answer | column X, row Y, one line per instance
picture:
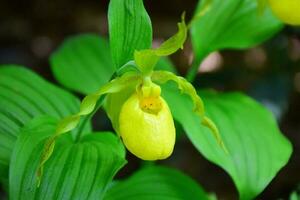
column 175, row 42
column 148, row 58
column 67, row 124
column 186, row 87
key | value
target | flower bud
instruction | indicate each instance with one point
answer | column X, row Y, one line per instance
column 286, row 10
column 147, row 127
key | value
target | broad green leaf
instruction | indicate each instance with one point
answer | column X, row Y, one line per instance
column 257, row 148
column 159, row 183
column 107, row 138
column 83, row 63
column 230, row 24
column 80, row 170
column 129, row 29
column 23, row 96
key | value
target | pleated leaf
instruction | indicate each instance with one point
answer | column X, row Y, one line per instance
column 231, row 24
column 23, row 96
column 83, row 63
column 257, row 148
column 80, row 170
column 159, row 183
column 129, row 29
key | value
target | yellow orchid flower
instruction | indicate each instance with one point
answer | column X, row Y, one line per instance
column 139, row 114
column 288, row 11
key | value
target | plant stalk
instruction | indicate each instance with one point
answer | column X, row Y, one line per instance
column 192, row 73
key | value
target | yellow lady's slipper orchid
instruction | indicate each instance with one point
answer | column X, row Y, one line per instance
column 286, row 10
column 147, row 127
column 139, row 114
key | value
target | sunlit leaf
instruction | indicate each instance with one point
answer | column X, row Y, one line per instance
column 129, row 29
column 23, row 96
column 257, row 148
column 80, row 170
column 83, row 63
column 157, row 183
column 230, row 24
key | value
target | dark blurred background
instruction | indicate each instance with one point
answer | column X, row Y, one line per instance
column 30, row 30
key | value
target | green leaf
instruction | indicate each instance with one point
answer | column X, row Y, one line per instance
column 107, row 138
column 159, row 183
column 257, row 148
column 83, row 63
column 80, row 170
column 129, row 29
column 230, row 24
column 23, row 96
